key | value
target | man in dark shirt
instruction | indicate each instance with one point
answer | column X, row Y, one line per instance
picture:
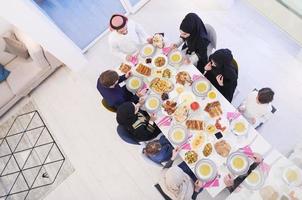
column 112, row 92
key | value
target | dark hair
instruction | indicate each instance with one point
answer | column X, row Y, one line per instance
column 265, row 95
column 152, row 147
column 108, row 78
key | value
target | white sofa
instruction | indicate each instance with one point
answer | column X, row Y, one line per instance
column 25, row 74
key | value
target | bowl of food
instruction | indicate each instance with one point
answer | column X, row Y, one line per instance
column 238, row 163
column 159, row 61
column 255, row 180
column 206, row 170
column 178, row 134
column 201, row 87
column 152, row 103
column 292, row 176
column 212, row 94
column 181, row 113
column 175, row 57
column 169, row 107
column 191, row 157
column 134, row 83
column 147, row 50
column 239, row 126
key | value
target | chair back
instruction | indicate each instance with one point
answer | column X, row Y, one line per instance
column 166, row 197
column 109, row 108
column 212, row 36
column 126, row 136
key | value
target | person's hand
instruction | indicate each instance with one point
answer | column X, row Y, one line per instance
column 128, row 58
column 142, row 92
column 153, row 117
column 241, row 108
column 208, row 67
column 253, row 119
column 175, row 153
column 173, row 46
column 187, row 61
column 141, row 101
column 219, row 79
column 229, row 180
column 257, row 158
column 198, row 185
column 150, row 40
column 292, row 195
column 128, row 74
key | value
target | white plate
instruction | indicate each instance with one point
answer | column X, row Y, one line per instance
column 199, row 81
column 181, row 132
column 130, row 80
column 175, row 52
column 147, row 54
column 186, row 98
column 255, row 180
column 295, row 170
column 230, row 163
column 164, row 65
column 235, row 122
column 210, row 165
column 156, row 100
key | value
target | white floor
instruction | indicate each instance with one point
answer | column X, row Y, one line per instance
column 106, row 167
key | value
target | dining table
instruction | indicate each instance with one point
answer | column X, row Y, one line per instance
column 214, row 129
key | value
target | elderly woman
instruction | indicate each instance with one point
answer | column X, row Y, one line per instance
column 222, row 72
column 195, row 40
column 139, row 124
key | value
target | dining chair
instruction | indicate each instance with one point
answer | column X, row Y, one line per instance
column 163, row 194
column 126, row 136
column 212, row 37
column 109, row 108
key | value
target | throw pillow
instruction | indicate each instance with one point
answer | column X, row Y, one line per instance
column 16, row 47
column 3, row 73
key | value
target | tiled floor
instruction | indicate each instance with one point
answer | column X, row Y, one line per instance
column 107, row 168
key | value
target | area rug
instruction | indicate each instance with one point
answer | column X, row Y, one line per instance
column 32, row 163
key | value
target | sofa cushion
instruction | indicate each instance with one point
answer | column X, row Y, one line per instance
column 23, row 73
column 15, row 47
column 4, row 56
column 5, row 93
column 3, row 73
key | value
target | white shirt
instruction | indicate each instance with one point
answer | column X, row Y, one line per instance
column 253, row 109
column 123, row 45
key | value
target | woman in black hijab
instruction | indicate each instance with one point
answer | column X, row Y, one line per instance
column 139, row 124
column 222, row 72
column 194, row 35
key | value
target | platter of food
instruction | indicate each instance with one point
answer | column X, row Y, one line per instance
column 222, row 148
column 181, row 113
column 214, row 109
column 169, row 107
column 160, row 61
column 183, row 77
column 125, row 68
column 160, row 85
column 143, row 69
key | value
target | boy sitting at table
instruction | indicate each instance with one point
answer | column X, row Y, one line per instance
column 257, row 106
column 112, row 92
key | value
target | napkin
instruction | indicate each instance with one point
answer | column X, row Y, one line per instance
column 164, row 121
column 232, row 115
column 186, row 146
column 166, row 50
column 134, row 60
column 213, row 183
column 195, row 77
column 264, row 167
column 247, row 151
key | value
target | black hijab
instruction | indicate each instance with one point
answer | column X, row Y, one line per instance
column 125, row 115
column 224, row 62
column 198, row 34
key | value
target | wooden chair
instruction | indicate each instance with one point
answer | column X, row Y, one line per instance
column 109, row 108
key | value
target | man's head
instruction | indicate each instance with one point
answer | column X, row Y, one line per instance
column 119, row 23
column 265, row 95
column 108, row 78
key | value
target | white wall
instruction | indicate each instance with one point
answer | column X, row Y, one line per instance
column 28, row 18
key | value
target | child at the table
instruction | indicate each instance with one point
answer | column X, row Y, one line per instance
column 257, row 106
column 159, row 151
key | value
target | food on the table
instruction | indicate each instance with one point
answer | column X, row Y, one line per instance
column 222, row 148
column 292, row 176
column 207, row 149
column 178, row 134
column 211, row 129
column 143, row 69
column 219, row 126
column 205, row 169
column 183, row 77
column 152, row 103
column 158, row 40
column 164, row 96
column 134, row 83
column 214, row 109
column 194, row 106
column 181, row 113
column 125, row 68
column 268, row 193
column 186, row 98
column 167, row 73
column 191, row 157
column 175, row 57
column 148, row 60
column 198, row 140
column 253, row 178
column 157, row 73
column 180, row 89
column 238, row 163
column 212, row 94
column 159, row 85
column 147, row 50
column 195, row 124
column 169, row 106
column 239, row 126
column 159, row 61
column 201, row 87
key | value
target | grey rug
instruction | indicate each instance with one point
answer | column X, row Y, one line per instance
column 32, row 163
